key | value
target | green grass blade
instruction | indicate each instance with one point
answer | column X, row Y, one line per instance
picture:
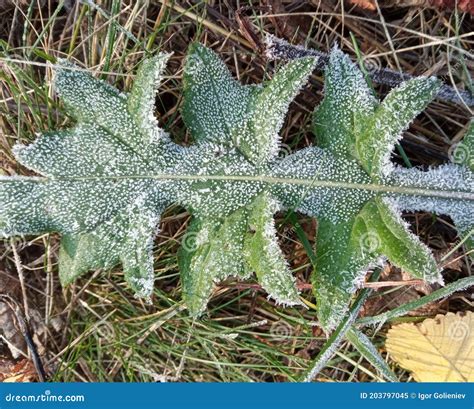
column 328, row 350
column 368, row 350
column 459, row 285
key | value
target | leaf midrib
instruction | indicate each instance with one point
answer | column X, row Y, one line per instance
column 269, row 180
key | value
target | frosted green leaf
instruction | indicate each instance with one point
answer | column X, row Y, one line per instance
column 260, row 140
column 93, row 101
column 215, row 105
column 219, row 109
column 127, row 238
column 264, row 256
column 341, row 264
column 464, row 155
column 339, row 198
column 106, row 180
column 396, row 242
column 346, row 251
column 243, row 242
column 136, row 253
column 347, row 105
column 103, row 183
column 213, row 180
column 87, row 193
column 211, row 251
column 141, row 101
column 38, row 205
column 448, row 176
column 95, row 151
column 368, row 230
column 379, row 134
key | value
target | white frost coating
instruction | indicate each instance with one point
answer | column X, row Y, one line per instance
column 108, row 179
column 347, row 105
column 260, row 139
column 137, row 251
column 89, row 195
column 218, row 108
column 212, row 251
column 276, row 279
column 361, row 132
column 314, row 163
column 359, row 281
column 245, row 241
column 94, row 101
column 215, row 104
column 141, row 102
column 415, row 245
column 337, row 295
column 446, row 177
column 391, row 118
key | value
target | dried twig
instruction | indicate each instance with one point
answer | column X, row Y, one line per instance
column 277, row 48
column 25, row 332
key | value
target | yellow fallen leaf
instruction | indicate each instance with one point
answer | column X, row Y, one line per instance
column 440, row 349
